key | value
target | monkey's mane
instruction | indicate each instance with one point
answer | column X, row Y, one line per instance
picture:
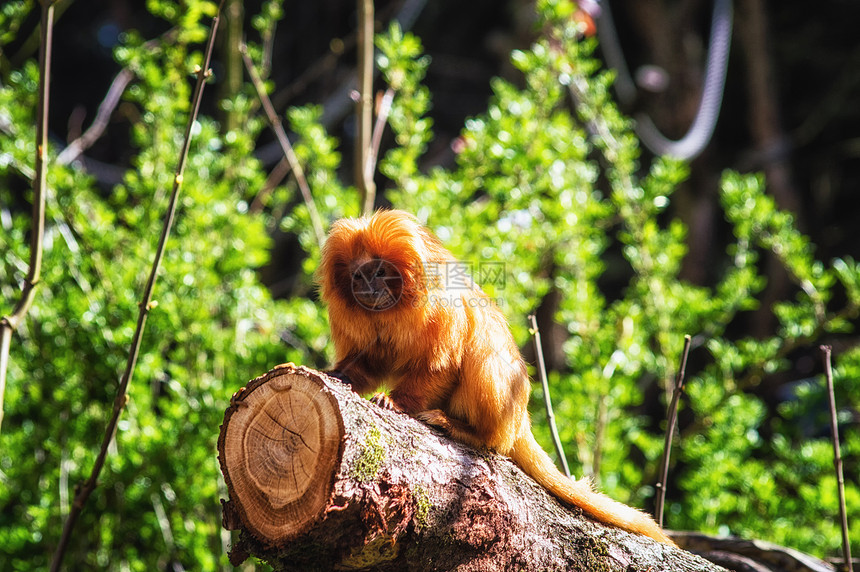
column 390, row 235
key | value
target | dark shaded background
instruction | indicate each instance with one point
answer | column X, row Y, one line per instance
column 791, row 107
column 792, row 100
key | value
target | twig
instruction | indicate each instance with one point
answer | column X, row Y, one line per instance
column 755, row 372
column 670, row 431
column 145, row 306
column 340, row 103
column 284, row 141
column 10, row 323
column 837, row 459
column 166, row 532
column 404, row 13
column 601, row 415
column 382, row 112
column 234, row 13
column 364, row 111
column 100, row 123
column 550, row 416
column 319, row 68
column 107, row 106
column 33, row 42
column 276, row 176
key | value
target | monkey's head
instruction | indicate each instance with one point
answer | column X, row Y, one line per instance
column 377, row 263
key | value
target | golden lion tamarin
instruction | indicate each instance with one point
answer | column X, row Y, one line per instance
column 442, row 347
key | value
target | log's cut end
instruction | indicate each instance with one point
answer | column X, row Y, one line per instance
column 280, row 447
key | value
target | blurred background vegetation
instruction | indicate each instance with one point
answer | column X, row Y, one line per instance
column 504, row 138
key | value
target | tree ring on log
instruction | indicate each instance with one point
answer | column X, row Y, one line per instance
column 279, row 448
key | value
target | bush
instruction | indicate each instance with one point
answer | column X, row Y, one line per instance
column 548, row 195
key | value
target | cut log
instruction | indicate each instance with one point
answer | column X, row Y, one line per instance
column 279, row 451
column 321, row 479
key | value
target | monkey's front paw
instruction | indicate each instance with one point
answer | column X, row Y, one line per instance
column 337, row 374
column 382, row 400
column 435, row 418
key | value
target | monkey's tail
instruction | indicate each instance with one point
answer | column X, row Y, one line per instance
column 536, row 463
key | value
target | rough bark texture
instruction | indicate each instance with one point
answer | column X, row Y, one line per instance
column 366, row 488
column 750, row 555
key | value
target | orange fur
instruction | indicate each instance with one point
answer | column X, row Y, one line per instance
column 444, row 349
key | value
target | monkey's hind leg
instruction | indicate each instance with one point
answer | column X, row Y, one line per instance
column 455, row 428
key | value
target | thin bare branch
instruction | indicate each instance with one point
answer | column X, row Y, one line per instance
column 275, row 178
column 146, row 305
column 33, row 42
column 404, row 13
column 364, row 109
column 278, row 128
column 550, row 415
column 382, row 111
column 670, row 431
column 837, row 459
column 321, row 67
column 107, row 106
column 100, row 123
column 8, row 324
column 340, row 103
column 234, row 12
column 601, row 420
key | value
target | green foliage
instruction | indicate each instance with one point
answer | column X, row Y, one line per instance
column 548, row 190
column 12, row 14
column 215, row 326
column 548, row 197
column 403, row 68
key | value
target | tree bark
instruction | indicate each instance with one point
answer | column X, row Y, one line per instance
column 753, row 555
column 321, row 479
